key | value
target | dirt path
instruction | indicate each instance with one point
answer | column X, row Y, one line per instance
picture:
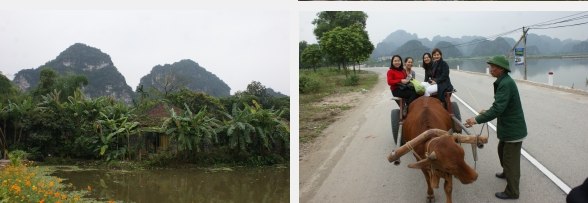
column 319, row 157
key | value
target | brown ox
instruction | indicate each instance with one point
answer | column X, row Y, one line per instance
column 425, row 129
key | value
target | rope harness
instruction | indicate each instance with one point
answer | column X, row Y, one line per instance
column 431, row 169
column 479, row 134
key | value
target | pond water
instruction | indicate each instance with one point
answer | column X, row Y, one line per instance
column 184, row 185
column 566, row 72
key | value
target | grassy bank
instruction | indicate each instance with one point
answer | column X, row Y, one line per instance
column 323, row 83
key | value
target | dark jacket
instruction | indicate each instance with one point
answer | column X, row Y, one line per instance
column 428, row 74
column 440, row 73
column 507, row 108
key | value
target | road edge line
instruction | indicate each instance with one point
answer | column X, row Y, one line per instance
column 534, row 161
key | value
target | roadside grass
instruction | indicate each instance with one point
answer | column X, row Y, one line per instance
column 326, row 82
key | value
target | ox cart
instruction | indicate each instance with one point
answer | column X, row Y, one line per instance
column 397, row 116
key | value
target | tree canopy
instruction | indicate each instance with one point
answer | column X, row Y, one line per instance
column 329, row 20
column 312, row 55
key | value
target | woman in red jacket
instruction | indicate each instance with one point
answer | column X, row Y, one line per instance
column 396, row 75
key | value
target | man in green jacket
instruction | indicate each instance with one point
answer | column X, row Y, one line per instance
column 511, row 126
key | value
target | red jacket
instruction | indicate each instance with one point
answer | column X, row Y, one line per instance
column 394, row 77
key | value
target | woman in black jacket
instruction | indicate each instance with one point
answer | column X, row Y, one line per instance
column 440, row 81
column 427, row 65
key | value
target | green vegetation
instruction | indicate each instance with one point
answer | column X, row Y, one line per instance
column 71, row 126
column 314, row 86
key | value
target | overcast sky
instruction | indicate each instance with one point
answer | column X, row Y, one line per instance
column 236, row 46
column 427, row 24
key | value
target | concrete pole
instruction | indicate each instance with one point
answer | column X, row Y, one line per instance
column 488, row 70
column 525, row 53
column 550, row 78
column 457, row 67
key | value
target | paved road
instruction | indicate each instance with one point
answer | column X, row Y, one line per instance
column 348, row 163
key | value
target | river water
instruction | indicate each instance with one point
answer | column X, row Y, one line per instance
column 184, row 185
column 566, row 72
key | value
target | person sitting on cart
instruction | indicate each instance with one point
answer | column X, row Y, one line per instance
column 440, row 81
column 396, row 77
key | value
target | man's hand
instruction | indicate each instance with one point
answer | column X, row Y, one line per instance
column 482, row 111
column 470, row 122
column 433, row 82
column 404, row 81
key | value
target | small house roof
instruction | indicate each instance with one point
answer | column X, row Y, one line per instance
column 156, row 115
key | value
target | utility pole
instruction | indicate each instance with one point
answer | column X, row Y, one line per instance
column 525, row 52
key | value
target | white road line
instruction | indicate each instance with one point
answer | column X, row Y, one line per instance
column 534, row 161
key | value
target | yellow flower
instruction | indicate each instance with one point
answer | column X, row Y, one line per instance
column 28, row 182
column 63, row 196
column 43, row 200
column 51, row 184
column 110, row 201
column 59, row 180
column 57, row 194
column 76, row 198
column 89, row 188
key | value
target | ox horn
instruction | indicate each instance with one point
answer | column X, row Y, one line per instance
column 450, row 132
column 433, row 156
column 422, row 138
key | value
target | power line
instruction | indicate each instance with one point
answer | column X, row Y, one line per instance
column 539, row 24
column 563, row 26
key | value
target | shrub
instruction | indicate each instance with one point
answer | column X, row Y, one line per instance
column 16, row 157
column 308, row 84
column 351, row 80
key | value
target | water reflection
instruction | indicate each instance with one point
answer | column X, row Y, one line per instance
column 566, row 72
column 184, row 185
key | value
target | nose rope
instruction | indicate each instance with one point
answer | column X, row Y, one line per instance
column 432, row 167
column 479, row 134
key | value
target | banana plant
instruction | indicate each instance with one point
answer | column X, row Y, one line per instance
column 18, row 112
column 238, row 127
column 109, row 131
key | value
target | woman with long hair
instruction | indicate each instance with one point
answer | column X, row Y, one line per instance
column 396, row 75
column 440, row 81
column 427, row 65
column 408, row 68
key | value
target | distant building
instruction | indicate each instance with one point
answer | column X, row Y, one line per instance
column 383, row 58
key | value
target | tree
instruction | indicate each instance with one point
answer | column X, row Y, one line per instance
column 342, row 42
column 363, row 53
column 69, row 84
column 257, row 89
column 47, row 77
column 329, row 20
column 8, row 92
column 312, row 55
column 169, row 82
column 301, row 46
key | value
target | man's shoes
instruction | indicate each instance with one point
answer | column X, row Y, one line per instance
column 502, row 195
column 501, row 176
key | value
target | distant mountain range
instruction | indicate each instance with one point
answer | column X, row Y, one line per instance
column 401, row 41
column 105, row 79
column 195, row 78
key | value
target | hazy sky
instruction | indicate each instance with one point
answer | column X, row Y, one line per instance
column 236, row 46
column 427, row 24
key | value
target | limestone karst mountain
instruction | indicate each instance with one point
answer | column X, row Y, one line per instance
column 104, row 78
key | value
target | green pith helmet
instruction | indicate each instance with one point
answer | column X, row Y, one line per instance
column 500, row 61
